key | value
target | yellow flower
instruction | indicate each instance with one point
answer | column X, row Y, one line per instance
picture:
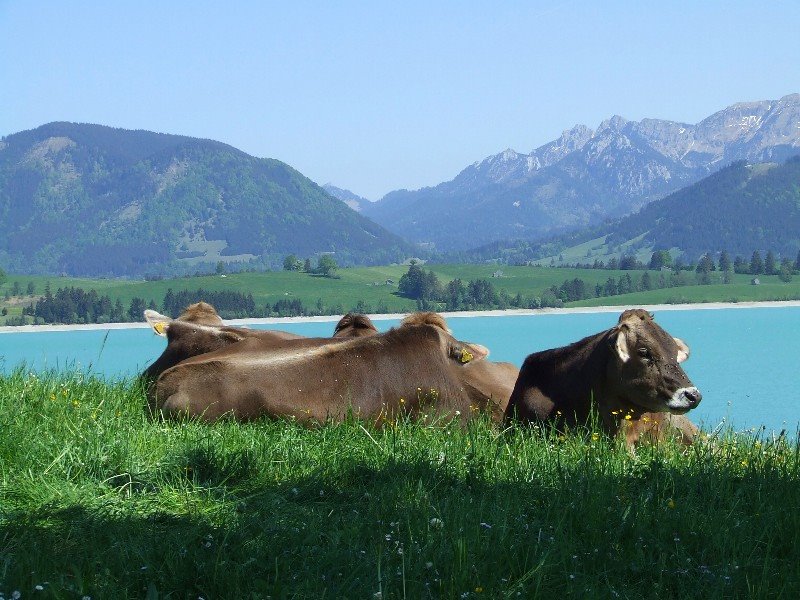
column 75, row 403
column 402, row 400
column 628, row 417
column 64, row 392
column 595, row 436
column 53, row 397
column 478, row 590
column 671, row 503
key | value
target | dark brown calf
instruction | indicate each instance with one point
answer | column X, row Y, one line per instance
column 631, row 373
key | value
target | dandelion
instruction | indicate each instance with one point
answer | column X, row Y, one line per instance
column 53, row 397
column 595, row 436
column 671, row 503
column 628, row 417
column 479, row 590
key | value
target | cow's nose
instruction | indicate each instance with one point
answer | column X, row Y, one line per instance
column 693, row 395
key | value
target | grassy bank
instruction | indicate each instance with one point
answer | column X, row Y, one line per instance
column 369, row 286
column 97, row 500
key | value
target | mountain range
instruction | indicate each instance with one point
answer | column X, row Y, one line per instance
column 586, row 176
column 739, row 209
column 94, row 200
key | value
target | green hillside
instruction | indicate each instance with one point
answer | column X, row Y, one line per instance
column 366, row 288
column 91, row 200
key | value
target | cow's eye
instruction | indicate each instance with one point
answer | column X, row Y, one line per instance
column 644, row 353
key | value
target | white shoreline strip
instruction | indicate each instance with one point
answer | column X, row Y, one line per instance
column 448, row 315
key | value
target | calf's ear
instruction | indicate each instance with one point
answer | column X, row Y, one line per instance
column 157, row 321
column 620, row 343
column 683, row 350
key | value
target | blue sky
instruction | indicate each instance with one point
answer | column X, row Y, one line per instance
column 376, row 96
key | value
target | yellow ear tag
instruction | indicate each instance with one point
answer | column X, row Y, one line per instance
column 466, row 355
column 160, row 328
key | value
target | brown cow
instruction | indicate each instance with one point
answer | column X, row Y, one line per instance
column 198, row 330
column 413, row 369
column 354, row 325
column 492, row 382
column 630, row 372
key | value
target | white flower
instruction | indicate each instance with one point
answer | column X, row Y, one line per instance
column 436, row 523
column 377, row 595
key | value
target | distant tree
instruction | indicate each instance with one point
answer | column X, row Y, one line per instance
column 705, row 264
column 481, row 292
column 3, row 274
column 610, row 287
column 797, row 262
column 613, row 263
column 292, row 263
column 740, row 266
column 16, row 289
column 117, row 314
column 415, row 283
column 31, row 289
column 646, row 283
column 307, row 265
column 724, row 262
column 136, row 309
column 659, row 259
column 326, row 265
column 629, row 262
column 756, row 264
column 220, row 267
column 769, row 263
column 785, row 271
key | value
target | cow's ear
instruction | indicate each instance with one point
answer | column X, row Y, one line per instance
column 464, row 352
column 683, row 350
column 157, row 321
column 621, row 343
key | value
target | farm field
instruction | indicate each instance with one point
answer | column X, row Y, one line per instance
column 369, row 286
column 96, row 499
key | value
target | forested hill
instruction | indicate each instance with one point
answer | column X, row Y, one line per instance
column 741, row 208
column 93, row 200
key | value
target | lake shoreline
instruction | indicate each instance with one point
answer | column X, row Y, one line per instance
column 457, row 315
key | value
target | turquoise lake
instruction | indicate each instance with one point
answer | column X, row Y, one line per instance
column 744, row 360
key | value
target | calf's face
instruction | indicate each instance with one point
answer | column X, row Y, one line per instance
column 645, row 369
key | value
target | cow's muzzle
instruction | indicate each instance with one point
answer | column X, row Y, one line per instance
column 684, row 399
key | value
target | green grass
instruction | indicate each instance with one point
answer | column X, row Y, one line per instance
column 95, row 499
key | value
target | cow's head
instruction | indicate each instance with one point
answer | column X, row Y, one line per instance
column 354, row 325
column 644, row 369
column 457, row 351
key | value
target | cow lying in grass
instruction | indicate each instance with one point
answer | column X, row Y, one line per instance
column 631, row 373
column 413, row 369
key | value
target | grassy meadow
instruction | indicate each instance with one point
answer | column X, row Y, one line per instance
column 369, row 285
column 98, row 500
